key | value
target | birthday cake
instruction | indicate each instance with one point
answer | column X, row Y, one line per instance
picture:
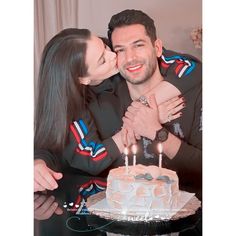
column 141, row 189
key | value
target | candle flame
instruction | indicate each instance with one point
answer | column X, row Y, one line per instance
column 126, row 151
column 134, row 149
column 160, row 147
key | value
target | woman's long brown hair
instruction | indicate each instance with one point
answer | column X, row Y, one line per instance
column 60, row 96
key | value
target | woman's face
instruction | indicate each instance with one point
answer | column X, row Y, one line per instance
column 101, row 62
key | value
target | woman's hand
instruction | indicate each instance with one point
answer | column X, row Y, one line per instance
column 44, row 177
column 170, row 109
column 45, row 206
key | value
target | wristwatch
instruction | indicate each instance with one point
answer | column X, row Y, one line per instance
column 161, row 135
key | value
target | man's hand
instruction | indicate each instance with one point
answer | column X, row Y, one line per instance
column 143, row 120
column 44, row 177
column 128, row 136
column 45, row 206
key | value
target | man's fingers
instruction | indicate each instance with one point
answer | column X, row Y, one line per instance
column 124, row 136
column 132, row 109
column 136, row 105
column 137, row 136
column 129, row 115
column 131, row 137
column 127, row 122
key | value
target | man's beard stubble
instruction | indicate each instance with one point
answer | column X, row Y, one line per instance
column 150, row 70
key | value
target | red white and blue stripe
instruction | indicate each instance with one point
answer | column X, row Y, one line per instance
column 96, row 151
column 92, row 187
column 183, row 66
column 85, row 190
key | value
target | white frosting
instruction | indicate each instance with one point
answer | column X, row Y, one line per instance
column 132, row 192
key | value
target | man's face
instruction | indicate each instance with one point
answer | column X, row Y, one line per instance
column 136, row 55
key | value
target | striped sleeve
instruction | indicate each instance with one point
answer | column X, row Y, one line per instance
column 181, row 70
column 183, row 65
column 85, row 150
column 91, row 149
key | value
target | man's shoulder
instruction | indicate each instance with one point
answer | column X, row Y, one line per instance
column 174, row 55
column 179, row 65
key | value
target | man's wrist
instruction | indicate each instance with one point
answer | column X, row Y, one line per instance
column 161, row 135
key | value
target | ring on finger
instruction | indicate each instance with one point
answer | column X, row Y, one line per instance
column 169, row 117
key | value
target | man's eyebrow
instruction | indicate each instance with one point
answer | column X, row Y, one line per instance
column 136, row 41
column 139, row 41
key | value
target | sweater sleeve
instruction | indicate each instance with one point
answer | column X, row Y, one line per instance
column 181, row 70
column 191, row 152
column 188, row 160
column 86, row 151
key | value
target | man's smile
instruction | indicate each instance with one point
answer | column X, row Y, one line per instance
column 134, row 68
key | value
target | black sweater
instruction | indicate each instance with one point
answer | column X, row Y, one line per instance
column 91, row 148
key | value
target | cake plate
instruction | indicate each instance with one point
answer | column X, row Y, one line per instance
column 114, row 221
column 188, row 204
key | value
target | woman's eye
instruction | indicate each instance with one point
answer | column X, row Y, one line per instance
column 119, row 50
column 102, row 61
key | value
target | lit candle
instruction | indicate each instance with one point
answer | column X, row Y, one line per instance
column 134, row 151
column 160, row 150
column 126, row 159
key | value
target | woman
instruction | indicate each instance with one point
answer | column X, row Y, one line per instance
column 72, row 59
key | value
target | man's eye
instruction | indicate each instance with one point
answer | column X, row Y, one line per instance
column 139, row 45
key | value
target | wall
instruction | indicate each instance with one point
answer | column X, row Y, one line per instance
column 175, row 19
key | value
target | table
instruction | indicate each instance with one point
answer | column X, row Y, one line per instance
column 73, row 191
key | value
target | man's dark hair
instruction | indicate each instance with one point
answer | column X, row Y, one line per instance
column 131, row 17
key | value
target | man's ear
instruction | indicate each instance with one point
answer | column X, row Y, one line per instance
column 84, row 80
column 158, row 47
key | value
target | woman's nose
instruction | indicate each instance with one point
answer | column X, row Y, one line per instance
column 111, row 55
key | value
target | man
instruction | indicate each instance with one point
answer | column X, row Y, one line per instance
column 133, row 37
column 137, row 48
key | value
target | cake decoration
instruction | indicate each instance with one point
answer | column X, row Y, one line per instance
column 142, row 190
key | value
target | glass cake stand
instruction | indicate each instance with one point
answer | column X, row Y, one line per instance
column 115, row 221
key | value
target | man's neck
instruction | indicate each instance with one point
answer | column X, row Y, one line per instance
column 138, row 90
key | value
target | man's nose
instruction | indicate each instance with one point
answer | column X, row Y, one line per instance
column 130, row 54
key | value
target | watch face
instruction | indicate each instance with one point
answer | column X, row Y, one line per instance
column 162, row 135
